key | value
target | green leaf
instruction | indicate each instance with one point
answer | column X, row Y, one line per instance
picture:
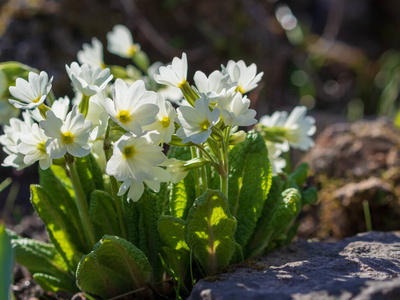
column 90, row 174
column 6, row 263
column 172, row 232
column 61, row 230
column 182, row 196
column 237, row 255
column 61, row 174
column 299, row 176
column 54, row 284
column 60, row 197
column 114, row 267
column 149, row 237
column 210, row 231
column 131, row 215
column 249, row 183
column 178, row 261
column 281, row 218
column 309, row 196
column 103, row 215
column 270, row 203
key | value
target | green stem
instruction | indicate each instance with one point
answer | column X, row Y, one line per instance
column 81, row 202
column 204, row 181
column 196, row 173
column 84, row 105
column 225, row 164
column 118, row 204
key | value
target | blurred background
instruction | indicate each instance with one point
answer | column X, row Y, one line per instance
column 340, row 58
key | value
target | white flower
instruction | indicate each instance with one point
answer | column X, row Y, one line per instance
column 134, row 157
column 245, row 77
column 213, row 86
column 176, row 168
column 133, row 106
column 235, row 109
column 301, row 128
column 12, row 138
column 277, row 163
column 120, row 42
column 33, row 146
column 92, row 54
column 174, row 74
column 88, row 80
column 295, row 129
column 70, row 136
column 165, row 120
column 136, row 188
column 60, row 108
column 31, row 93
column 196, row 122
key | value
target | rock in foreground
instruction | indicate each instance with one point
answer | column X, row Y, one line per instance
column 366, row 266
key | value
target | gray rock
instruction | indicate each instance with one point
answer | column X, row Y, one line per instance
column 366, row 266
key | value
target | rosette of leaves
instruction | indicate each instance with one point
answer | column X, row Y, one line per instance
column 171, row 235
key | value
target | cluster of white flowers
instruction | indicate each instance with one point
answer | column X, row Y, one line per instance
column 51, row 130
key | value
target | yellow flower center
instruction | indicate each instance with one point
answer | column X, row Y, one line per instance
column 204, row 125
column 132, row 50
column 128, row 152
column 67, row 138
column 165, row 122
column 42, row 147
column 123, row 116
column 239, row 89
column 37, row 99
column 182, row 84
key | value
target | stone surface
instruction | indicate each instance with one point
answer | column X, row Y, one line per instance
column 365, row 266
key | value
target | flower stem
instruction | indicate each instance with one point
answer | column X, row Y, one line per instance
column 196, row 173
column 80, row 201
column 204, row 181
column 84, row 105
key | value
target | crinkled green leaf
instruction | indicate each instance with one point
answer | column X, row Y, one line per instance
column 299, row 176
column 90, row 174
column 172, row 232
column 182, row 196
column 131, row 215
column 210, row 231
column 103, row 215
column 309, row 196
column 178, row 261
column 237, row 255
column 114, row 267
column 54, row 283
column 149, row 237
column 281, row 218
column 61, row 174
column 272, row 200
column 61, row 230
column 6, row 263
column 60, row 197
column 249, row 183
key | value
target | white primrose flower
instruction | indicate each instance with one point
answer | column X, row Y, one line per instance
column 134, row 157
column 213, row 86
column 245, row 77
column 12, row 138
column 92, row 54
column 196, row 122
column 176, row 168
column 136, row 188
column 33, row 146
column 235, row 110
column 70, row 136
column 133, row 106
column 174, row 74
column 31, row 93
column 60, row 108
column 277, row 163
column 120, row 42
column 98, row 115
column 297, row 128
column 165, row 120
column 88, row 80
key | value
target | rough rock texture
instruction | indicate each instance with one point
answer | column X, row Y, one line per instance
column 366, row 266
column 354, row 163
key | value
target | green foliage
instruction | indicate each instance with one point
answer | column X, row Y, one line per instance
column 90, row 174
column 102, row 214
column 44, row 259
column 282, row 215
column 210, row 231
column 7, row 263
column 114, row 267
column 63, row 234
column 249, row 183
